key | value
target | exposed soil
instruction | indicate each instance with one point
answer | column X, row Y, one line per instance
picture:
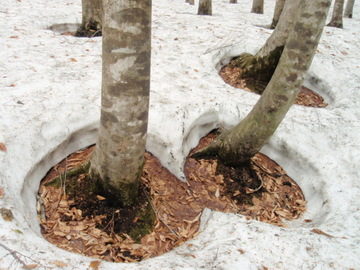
column 231, row 75
column 93, row 227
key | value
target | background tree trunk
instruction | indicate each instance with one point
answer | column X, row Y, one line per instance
column 349, row 9
column 263, row 64
column 258, row 7
column 337, row 15
column 92, row 13
column 250, row 135
column 233, row 1
column 119, row 155
column 205, row 7
column 277, row 12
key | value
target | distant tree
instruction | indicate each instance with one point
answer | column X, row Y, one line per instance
column 263, row 64
column 240, row 143
column 233, row 1
column 349, row 9
column 92, row 12
column 277, row 12
column 337, row 15
column 258, row 7
column 205, row 7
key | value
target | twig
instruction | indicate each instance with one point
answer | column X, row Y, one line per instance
column 16, row 257
column 158, row 216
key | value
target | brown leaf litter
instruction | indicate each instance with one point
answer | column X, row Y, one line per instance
column 306, row 97
column 178, row 206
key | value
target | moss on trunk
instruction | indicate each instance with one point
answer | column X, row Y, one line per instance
column 261, row 69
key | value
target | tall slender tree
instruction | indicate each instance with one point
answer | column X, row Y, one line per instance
column 349, row 9
column 277, row 12
column 240, row 143
column 205, row 7
column 92, row 12
column 337, row 15
column 118, row 159
column 258, row 6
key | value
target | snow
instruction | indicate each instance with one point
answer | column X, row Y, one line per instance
column 49, row 107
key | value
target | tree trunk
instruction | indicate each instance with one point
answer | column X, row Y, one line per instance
column 263, row 64
column 258, row 7
column 119, row 155
column 277, row 12
column 191, row 2
column 205, row 7
column 349, row 9
column 337, row 16
column 250, row 135
column 233, row 1
column 92, row 13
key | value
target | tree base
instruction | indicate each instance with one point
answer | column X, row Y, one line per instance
column 89, row 30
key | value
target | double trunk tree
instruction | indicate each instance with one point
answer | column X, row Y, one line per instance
column 239, row 144
column 118, row 159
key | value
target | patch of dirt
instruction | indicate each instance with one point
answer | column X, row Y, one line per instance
column 231, row 75
column 263, row 192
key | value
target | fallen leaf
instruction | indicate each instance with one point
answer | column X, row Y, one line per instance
column 73, row 60
column 6, row 214
column 317, row 231
column 95, row 265
column 29, row 266
column 100, row 198
column 2, row 147
column 60, row 263
column 1, row 193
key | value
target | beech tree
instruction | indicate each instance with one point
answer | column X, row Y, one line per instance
column 349, row 9
column 263, row 64
column 205, row 7
column 258, row 6
column 279, row 6
column 239, row 144
column 118, row 158
column 92, row 12
column 337, row 15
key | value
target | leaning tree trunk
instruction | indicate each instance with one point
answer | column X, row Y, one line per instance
column 277, row 12
column 349, row 9
column 92, row 13
column 239, row 144
column 337, row 16
column 205, row 7
column 258, row 7
column 262, row 65
column 119, row 155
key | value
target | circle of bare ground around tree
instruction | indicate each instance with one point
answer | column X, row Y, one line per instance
column 95, row 228
column 260, row 190
column 231, row 75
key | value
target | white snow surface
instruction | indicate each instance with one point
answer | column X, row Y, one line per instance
column 49, row 108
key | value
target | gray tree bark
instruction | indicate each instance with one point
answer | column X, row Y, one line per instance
column 119, row 155
column 258, row 6
column 263, row 64
column 349, row 9
column 205, row 7
column 337, row 15
column 250, row 135
column 277, row 12
column 92, row 13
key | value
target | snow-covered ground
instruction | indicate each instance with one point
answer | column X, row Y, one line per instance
column 49, row 107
